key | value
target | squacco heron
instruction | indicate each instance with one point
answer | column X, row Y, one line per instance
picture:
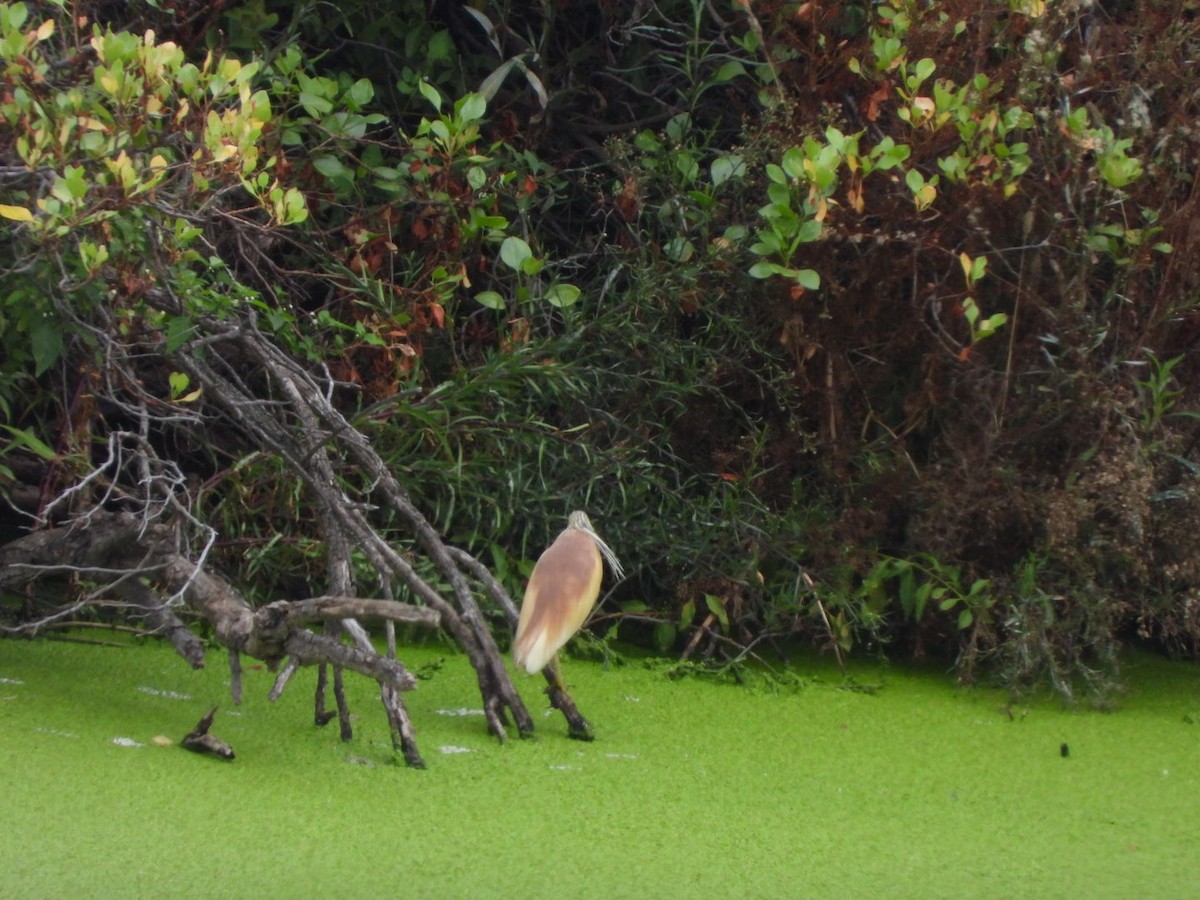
column 562, row 591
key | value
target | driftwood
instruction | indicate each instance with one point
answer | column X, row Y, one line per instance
column 108, row 544
column 199, row 740
column 115, row 542
column 344, row 520
column 129, row 530
column 118, row 543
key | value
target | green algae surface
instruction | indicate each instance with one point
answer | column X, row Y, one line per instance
column 917, row 789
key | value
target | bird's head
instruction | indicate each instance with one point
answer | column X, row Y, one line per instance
column 580, row 522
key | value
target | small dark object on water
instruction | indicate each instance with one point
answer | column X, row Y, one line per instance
column 1064, row 751
column 200, row 741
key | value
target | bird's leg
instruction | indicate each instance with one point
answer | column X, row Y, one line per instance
column 577, row 726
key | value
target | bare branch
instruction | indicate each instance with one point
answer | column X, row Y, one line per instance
column 318, row 609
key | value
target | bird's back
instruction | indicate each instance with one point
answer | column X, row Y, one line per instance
column 562, row 590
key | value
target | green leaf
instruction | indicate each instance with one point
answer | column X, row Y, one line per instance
column 890, row 154
column 768, row 244
column 59, row 189
column 810, row 231
column 717, row 609
column 476, row 177
column 314, row 104
column 17, row 14
column 687, row 167
column 678, row 126
column 532, row 266
column 178, row 330
column 727, row 167
column 514, row 252
column 76, row 180
column 970, row 311
column 992, row 324
column 440, row 47
column 729, row 71
column 490, row 299
column 362, row 92
column 780, row 195
column 295, row 207
column 920, row 599
column 27, row 439
column 664, row 636
column 907, row 590
column 472, row 107
column 793, row 162
column 679, row 249
column 764, row 269
column 46, row 341
column 561, row 295
column 648, row 142
column 835, row 139
column 490, row 221
column 329, row 166
column 259, row 108
column 965, row 618
column 430, row 93
column 807, row 278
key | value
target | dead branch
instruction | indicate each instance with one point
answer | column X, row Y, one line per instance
column 162, row 621
column 307, row 450
column 118, row 542
column 156, row 547
column 319, row 609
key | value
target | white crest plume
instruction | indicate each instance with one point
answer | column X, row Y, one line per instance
column 580, row 522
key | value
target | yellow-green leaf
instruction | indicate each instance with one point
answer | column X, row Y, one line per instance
column 16, row 213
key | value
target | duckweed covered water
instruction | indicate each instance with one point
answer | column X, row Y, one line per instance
column 920, row 789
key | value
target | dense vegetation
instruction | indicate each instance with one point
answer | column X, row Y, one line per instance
column 863, row 323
